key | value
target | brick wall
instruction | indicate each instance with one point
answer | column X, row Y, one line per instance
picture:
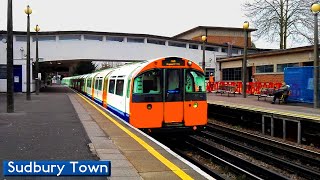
column 269, row 78
column 237, row 41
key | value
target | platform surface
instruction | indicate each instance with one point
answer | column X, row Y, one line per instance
column 251, row 103
column 60, row 124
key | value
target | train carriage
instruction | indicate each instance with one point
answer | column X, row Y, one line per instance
column 165, row 93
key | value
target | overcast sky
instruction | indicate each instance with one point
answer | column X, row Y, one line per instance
column 155, row 17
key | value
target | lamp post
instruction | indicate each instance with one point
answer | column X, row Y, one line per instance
column 37, row 29
column 244, row 61
column 204, row 38
column 28, row 11
column 10, row 100
column 315, row 8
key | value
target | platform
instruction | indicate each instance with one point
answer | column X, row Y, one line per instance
column 295, row 112
column 60, row 124
column 251, row 103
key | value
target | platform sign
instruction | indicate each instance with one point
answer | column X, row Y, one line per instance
column 56, row 168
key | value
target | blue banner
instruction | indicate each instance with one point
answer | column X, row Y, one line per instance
column 57, row 168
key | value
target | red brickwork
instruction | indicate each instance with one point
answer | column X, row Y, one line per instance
column 237, row 41
column 269, row 78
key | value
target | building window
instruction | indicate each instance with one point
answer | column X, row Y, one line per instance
column 280, row 67
column 264, row 69
column 251, row 52
column 231, row 74
column 3, row 38
column 193, row 46
column 70, row 37
column 111, row 86
column 176, row 44
column 234, row 51
column 119, row 87
column 210, row 48
column 112, row 38
column 155, row 41
column 45, row 38
column 225, row 50
column 3, row 71
column 21, row 38
column 135, row 40
column 92, row 38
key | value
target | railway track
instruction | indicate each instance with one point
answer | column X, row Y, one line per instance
column 293, row 160
column 242, row 168
column 192, row 146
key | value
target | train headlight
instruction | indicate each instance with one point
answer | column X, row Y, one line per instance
column 195, row 105
column 189, row 63
column 149, row 106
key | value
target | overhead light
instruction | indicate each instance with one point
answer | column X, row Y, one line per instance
column 59, row 62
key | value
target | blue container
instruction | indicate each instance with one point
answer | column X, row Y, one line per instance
column 300, row 80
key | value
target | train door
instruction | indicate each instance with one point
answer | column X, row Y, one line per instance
column 195, row 103
column 146, row 109
column 17, row 71
column 173, row 96
column 98, row 89
column 104, row 94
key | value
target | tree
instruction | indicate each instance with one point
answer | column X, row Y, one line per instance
column 280, row 20
column 84, row 67
column 106, row 65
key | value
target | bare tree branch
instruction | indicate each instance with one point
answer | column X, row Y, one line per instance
column 281, row 20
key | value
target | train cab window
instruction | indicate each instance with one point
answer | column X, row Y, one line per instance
column 147, row 83
column 195, row 82
column 119, row 87
column 173, row 80
column 111, row 86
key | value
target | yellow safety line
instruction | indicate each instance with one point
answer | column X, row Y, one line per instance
column 155, row 153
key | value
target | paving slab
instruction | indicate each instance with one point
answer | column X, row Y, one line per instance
column 45, row 128
column 136, row 156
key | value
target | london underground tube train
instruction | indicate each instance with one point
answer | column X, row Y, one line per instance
column 165, row 93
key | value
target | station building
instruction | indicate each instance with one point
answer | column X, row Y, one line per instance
column 60, row 51
column 266, row 66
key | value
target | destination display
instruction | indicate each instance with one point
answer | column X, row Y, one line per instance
column 173, row 62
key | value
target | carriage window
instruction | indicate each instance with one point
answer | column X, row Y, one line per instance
column 195, row 82
column 100, row 85
column 111, row 86
column 119, row 87
column 89, row 83
column 147, row 83
column 128, row 88
column 96, row 84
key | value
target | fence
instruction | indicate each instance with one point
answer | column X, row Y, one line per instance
column 253, row 88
